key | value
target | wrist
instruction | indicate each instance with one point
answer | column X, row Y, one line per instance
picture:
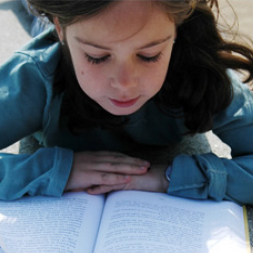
column 167, row 172
column 166, row 178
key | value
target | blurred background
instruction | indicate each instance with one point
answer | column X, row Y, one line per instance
column 15, row 25
column 15, row 22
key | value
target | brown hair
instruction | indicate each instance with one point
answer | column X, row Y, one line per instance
column 197, row 80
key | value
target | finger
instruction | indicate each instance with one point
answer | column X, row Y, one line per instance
column 102, row 189
column 114, row 157
column 120, row 168
column 91, row 178
column 105, row 178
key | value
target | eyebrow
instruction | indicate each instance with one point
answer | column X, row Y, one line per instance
column 151, row 44
column 157, row 42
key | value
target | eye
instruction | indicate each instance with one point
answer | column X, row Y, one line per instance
column 154, row 58
column 94, row 60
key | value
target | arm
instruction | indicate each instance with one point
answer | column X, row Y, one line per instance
column 24, row 100
column 25, row 96
column 208, row 176
column 43, row 173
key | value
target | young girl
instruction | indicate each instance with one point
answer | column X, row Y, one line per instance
column 114, row 77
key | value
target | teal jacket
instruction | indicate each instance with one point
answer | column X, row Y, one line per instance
column 27, row 107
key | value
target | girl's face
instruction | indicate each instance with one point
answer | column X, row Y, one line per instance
column 121, row 56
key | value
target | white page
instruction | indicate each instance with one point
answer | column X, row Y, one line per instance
column 45, row 224
column 154, row 222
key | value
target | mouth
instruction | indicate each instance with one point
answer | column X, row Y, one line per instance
column 124, row 103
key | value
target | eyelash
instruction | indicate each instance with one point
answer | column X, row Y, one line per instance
column 152, row 59
column 97, row 61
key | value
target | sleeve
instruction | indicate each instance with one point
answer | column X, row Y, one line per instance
column 23, row 99
column 208, row 176
column 25, row 95
column 43, row 173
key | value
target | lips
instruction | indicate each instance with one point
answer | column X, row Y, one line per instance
column 124, row 103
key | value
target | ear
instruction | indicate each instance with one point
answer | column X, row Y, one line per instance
column 59, row 29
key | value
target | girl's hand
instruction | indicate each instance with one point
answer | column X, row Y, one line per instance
column 108, row 169
column 153, row 181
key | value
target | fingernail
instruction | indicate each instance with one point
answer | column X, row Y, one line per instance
column 145, row 164
column 143, row 168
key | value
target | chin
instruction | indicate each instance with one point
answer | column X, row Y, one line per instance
column 123, row 111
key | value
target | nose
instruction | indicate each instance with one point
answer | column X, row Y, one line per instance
column 124, row 76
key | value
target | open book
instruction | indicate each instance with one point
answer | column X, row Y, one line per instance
column 122, row 222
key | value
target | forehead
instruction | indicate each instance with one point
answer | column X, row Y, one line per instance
column 123, row 20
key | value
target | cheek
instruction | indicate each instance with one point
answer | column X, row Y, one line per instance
column 157, row 76
column 88, row 77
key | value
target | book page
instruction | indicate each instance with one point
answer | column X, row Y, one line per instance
column 47, row 224
column 154, row 222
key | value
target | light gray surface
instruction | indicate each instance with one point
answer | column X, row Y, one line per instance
column 14, row 24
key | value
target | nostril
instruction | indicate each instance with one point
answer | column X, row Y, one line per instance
column 123, row 83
